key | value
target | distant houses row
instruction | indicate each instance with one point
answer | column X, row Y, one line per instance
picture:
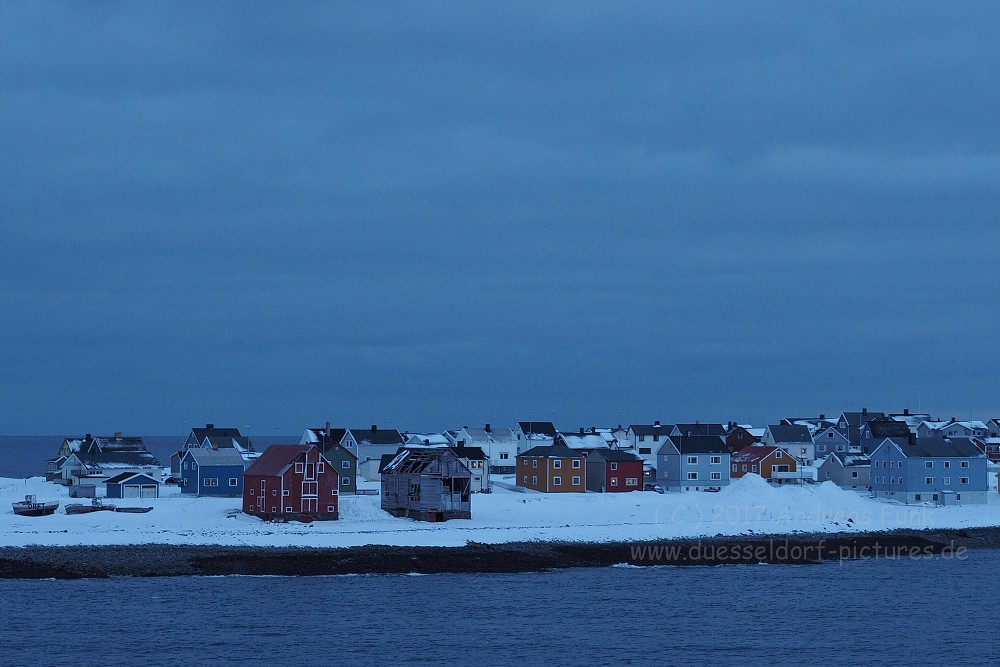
column 905, row 457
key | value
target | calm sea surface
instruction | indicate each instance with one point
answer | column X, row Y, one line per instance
column 879, row 612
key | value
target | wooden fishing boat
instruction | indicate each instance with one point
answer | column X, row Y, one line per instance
column 96, row 505
column 31, row 507
column 134, row 510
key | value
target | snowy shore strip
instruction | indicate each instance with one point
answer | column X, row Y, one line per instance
column 156, row 560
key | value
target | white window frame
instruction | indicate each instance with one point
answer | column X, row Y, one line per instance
column 557, row 480
column 692, row 476
column 576, row 480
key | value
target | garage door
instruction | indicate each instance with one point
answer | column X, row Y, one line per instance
column 130, row 491
column 148, row 491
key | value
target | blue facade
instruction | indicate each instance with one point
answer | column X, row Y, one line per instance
column 948, row 478
column 203, row 475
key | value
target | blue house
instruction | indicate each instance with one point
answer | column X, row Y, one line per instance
column 942, row 470
column 212, row 472
column 693, row 463
column 132, row 485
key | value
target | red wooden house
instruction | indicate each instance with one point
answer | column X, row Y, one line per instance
column 613, row 470
column 291, row 482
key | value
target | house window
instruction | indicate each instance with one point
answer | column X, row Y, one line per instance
column 614, row 466
column 614, row 481
column 854, row 473
column 534, row 479
column 928, row 481
column 753, row 468
column 716, row 475
column 716, row 460
column 916, row 496
column 320, row 467
column 735, row 467
column 692, row 460
column 211, row 481
column 274, row 492
column 645, row 450
column 525, row 479
column 777, row 454
column 331, row 508
column 958, row 496
column 576, row 480
column 829, row 434
column 185, row 465
column 556, row 463
column 947, row 464
column 534, row 463
column 557, row 481
column 285, row 492
column 503, row 456
column 947, row 481
column 963, row 480
column 656, row 438
column 233, row 481
column 928, row 464
column 576, row 463
column 298, row 468
column 692, row 475
column 631, row 481
column 745, row 467
column 840, row 448
column 642, row 438
column 346, row 465
column 288, row 509
column 251, row 492
column 965, row 464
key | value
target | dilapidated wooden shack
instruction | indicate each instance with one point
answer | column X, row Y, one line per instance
column 427, row 485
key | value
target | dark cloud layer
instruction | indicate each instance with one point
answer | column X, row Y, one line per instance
column 442, row 213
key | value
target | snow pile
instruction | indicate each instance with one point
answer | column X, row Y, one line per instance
column 747, row 506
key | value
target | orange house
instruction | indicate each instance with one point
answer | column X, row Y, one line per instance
column 763, row 460
column 552, row 469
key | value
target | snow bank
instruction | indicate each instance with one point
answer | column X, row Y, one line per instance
column 748, row 506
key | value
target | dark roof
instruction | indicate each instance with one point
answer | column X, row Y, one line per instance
column 789, row 433
column 888, row 428
column 471, row 453
column 700, row 429
column 538, row 428
column 615, row 455
column 275, row 459
column 228, row 441
column 651, row 429
column 227, row 456
column 552, row 451
column 137, row 459
column 386, row 459
column 223, row 432
column 116, row 444
column 700, row 444
column 336, row 434
column 381, row 436
column 940, row 448
column 125, row 476
column 856, row 419
column 851, row 460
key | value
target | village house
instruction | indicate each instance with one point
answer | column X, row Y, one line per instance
column 830, row 440
column 913, row 420
column 693, row 463
column 952, row 429
column 212, row 472
column 614, row 470
column 534, row 434
column 874, row 431
column 743, row 436
column 551, row 469
column 795, row 439
column 850, row 423
column 772, row 463
column 584, row 442
column 942, row 470
column 478, row 464
column 427, row 484
column 213, row 437
column 94, row 466
column 291, row 482
column 500, row 445
column 329, row 440
column 646, row 440
column 369, row 445
column 848, row 471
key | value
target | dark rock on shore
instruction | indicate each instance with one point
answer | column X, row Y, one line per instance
column 151, row 560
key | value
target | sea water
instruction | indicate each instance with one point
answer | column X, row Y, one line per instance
column 931, row 611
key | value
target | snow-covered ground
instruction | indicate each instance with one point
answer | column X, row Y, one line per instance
column 748, row 505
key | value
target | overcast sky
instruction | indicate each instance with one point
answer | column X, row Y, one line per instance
column 424, row 215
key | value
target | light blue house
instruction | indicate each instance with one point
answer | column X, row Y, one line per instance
column 941, row 470
column 693, row 463
column 212, row 472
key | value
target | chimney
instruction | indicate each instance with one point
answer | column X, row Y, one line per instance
column 210, row 426
column 374, row 427
column 488, row 429
column 118, row 434
column 864, row 411
column 593, row 429
column 426, row 441
column 581, row 430
column 656, row 424
column 906, row 412
column 328, row 429
column 822, row 416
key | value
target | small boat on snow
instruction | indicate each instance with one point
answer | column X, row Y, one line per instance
column 134, row 510
column 31, row 507
column 96, row 505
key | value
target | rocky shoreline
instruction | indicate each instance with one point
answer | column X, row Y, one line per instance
column 159, row 560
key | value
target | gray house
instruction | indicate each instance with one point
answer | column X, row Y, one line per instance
column 850, row 423
column 829, row 441
column 794, row 439
column 942, row 470
column 693, row 463
column 848, row 471
column 428, row 485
